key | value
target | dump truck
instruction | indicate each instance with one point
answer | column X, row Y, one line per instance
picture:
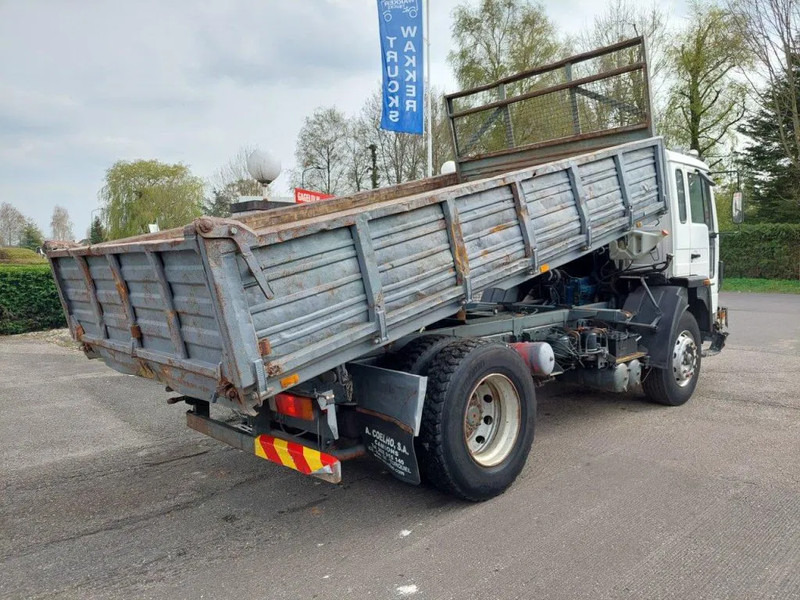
column 414, row 323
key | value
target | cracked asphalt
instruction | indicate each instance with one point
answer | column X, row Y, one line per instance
column 106, row 494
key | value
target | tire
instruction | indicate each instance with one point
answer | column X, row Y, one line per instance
column 674, row 385
column 459, row 451
column 415, row 357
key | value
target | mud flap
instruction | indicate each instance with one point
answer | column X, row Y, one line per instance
column 389, row 407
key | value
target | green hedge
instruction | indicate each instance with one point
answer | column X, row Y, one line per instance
column 28, row 299
column 769, row 251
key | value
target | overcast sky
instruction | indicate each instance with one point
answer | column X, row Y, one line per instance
column 86, row 83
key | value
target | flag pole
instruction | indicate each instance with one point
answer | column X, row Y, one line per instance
column 428, row 84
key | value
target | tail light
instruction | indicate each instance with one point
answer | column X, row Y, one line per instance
column 292, row 405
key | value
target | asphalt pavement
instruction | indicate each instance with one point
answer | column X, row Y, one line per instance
column 106, row 494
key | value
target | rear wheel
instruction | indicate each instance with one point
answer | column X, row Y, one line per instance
column 674, row 385
column 478, row 420
column 415, row 357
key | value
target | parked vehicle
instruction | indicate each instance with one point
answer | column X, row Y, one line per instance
column 415, row 322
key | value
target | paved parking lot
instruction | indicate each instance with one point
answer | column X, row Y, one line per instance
column 105, row 494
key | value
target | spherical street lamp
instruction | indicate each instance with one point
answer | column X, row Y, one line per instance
column 263, row 167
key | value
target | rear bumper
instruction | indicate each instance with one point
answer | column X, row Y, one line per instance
column 288, row 453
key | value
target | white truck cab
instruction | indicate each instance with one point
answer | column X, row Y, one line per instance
column 692, row 241
column 694, row 233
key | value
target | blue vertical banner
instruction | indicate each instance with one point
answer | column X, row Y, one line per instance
column 401, row 49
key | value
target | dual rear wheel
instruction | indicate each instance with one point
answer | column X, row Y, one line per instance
column 479, row 415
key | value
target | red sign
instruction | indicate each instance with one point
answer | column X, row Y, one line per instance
column 302, row 196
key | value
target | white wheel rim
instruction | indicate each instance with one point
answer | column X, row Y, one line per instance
column 684, row 359
column 492, row 420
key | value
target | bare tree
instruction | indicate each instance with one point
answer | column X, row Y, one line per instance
column 624, row 19
column 359, row 157
column 771, row 31
column 334, row 150
column 60, row 225
column 403, row 157
column 12, row 222
column 322, row 152
column 234, row 175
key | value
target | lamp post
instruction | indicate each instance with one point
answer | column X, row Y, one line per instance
column 303, row 174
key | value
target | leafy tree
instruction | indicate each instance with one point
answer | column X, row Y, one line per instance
column 148, row 191
column 772, row 159
column 706, row 101
column 32, row 237
column 219, row 205
column 497, row 38
column 12, row 222
column 60, row 225
column 493, row 40
column 97, row 233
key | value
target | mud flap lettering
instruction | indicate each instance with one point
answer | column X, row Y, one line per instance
column 391, row 444
column 389, row 406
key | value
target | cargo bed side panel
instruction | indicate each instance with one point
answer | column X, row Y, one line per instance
column 146, row 313
column 230, row 314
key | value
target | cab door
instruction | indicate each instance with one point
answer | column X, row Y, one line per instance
column 703, row 254
column 681, row 239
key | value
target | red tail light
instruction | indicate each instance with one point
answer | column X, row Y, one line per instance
column 291, row 405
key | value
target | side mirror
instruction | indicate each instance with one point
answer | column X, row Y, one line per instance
column 737, row 210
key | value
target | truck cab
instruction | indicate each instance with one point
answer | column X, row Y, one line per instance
column 693, row 242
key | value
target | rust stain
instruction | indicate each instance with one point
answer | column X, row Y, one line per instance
column 79, row 331
column 145, row 371
column 460, row 255
column 136, row 332
column 121, row 289
column 273, row 370
column 501, row 227
column 264, row 347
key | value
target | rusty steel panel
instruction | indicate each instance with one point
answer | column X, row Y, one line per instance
column 142, row 310
column 232, row 314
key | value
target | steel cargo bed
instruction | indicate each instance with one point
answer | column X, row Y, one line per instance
column 234, row 311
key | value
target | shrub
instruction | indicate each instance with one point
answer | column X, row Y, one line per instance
column 769, row 251
column 28, row 299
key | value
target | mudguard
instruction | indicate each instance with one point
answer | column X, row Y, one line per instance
column 657, row 311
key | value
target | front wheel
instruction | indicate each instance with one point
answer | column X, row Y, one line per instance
column 674, row 385
column 478, row 419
